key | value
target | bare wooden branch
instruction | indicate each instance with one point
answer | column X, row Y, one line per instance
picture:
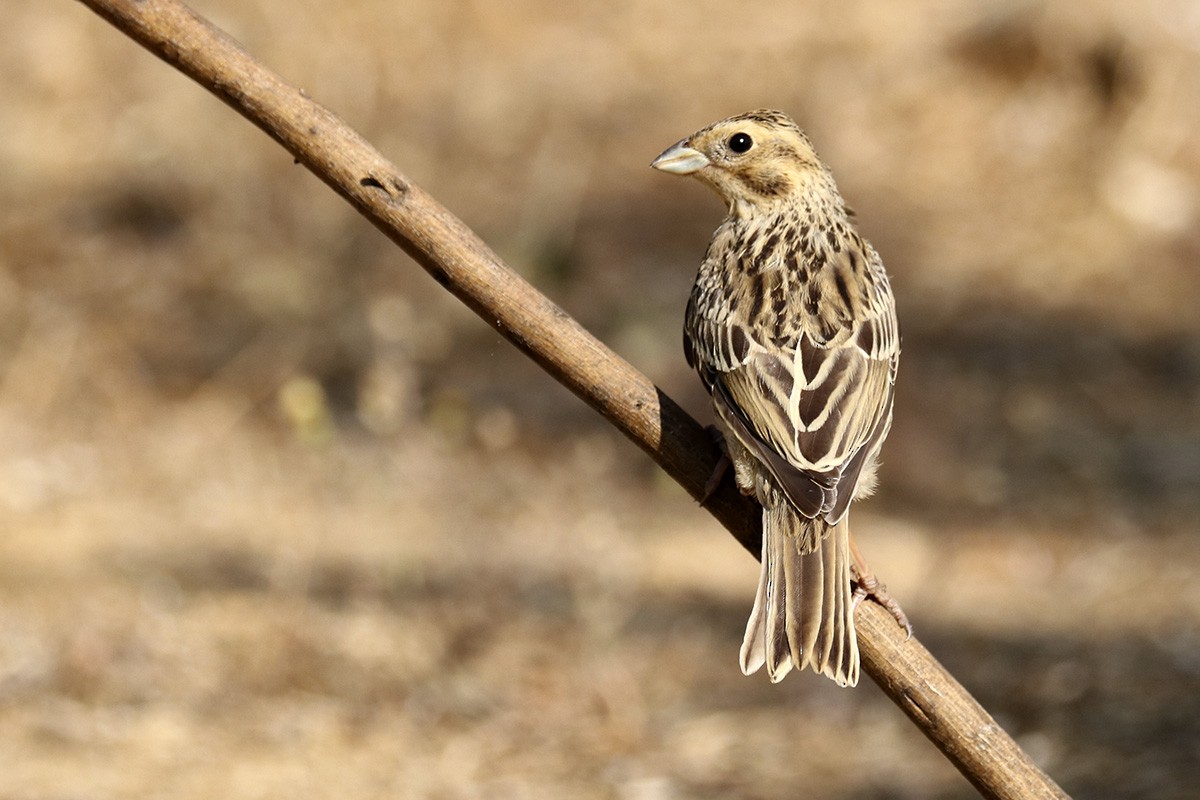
column 458, row 260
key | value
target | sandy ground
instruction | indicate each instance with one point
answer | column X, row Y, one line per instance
column 278, row 518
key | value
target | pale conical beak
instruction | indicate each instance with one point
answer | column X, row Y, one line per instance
column 679, row 159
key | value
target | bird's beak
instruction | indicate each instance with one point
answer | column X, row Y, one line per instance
column 679, row 159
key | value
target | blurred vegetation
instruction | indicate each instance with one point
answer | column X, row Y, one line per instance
column 280, row 517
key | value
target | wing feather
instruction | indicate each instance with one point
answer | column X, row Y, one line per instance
column 813, row 400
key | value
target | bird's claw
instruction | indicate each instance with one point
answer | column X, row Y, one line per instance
column 867, row 585
column 723, row 464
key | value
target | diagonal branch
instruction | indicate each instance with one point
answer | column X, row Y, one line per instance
column 458, row 260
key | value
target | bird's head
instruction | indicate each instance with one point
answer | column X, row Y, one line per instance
column 751, row 160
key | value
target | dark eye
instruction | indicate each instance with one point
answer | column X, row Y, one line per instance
column 740, row 142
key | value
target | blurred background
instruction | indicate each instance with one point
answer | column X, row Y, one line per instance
column 278, row 517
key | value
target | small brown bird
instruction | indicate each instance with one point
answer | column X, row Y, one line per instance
column 792, row 327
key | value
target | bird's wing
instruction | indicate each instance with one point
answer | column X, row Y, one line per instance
column 814, row 404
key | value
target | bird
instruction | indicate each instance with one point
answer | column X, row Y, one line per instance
column 791, row 325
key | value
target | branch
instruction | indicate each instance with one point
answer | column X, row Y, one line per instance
column 458, row 260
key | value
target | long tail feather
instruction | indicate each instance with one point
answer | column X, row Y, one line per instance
column 802, row 616
column 779, row 651
column 753, row 653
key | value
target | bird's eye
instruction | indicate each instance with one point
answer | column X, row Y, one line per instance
column 740, row 142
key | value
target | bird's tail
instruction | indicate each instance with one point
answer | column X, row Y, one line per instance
column 802, row 613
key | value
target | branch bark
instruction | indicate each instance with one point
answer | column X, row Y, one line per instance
column 461, row 262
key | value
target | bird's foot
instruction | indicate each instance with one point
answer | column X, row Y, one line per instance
column 723, row 464
column 866, row 585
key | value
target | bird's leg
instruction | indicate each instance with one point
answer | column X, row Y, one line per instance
column 723, row 464
column 867, row 585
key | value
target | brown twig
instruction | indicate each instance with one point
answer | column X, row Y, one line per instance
column 465, row 266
